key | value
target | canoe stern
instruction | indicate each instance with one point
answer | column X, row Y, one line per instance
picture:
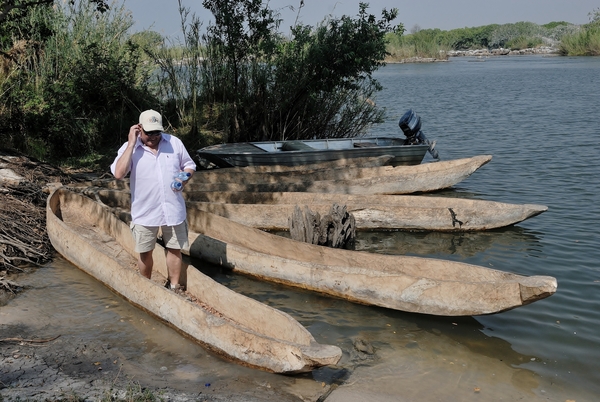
column 535, row 288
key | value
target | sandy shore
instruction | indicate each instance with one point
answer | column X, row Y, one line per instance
column 79, row 340
column 106, row 347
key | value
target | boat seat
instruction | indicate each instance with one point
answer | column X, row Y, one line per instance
column 296, row 146
column 364, row 144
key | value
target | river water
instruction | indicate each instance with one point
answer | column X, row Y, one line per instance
column 540, row 119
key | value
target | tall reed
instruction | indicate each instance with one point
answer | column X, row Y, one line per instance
column 424, row 44
column 82, row 87
column 177, row 81
column 585, row 42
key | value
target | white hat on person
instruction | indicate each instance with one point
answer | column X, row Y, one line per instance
column 151, row 120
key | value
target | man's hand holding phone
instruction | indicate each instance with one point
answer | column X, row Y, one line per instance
column 134, row 132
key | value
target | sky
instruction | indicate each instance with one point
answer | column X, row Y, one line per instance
column 163, row 16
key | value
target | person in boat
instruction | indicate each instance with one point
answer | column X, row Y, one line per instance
column 153, row 158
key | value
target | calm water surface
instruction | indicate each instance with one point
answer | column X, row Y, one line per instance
column 540, row 119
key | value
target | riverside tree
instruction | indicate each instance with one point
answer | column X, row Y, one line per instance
column 316, row 84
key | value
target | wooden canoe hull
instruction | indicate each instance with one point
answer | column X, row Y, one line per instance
column 412, row 284
column 271, row 211
column 422, row 178
column 378, row 180
column 363, row 162
column 232, row 325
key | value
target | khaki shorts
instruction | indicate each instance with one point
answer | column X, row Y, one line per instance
column 175, row 237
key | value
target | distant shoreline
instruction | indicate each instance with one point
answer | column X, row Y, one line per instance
column 478, row 53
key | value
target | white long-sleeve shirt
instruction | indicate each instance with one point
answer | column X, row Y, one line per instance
column 153, row 202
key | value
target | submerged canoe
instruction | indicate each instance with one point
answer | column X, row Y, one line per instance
column 412, row 284
column 230, row 324
column 367, row 181
column 270, row 211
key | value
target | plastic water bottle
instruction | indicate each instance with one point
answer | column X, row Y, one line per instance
column 178, row 180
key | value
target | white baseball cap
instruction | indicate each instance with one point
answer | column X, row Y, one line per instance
column 151, row 120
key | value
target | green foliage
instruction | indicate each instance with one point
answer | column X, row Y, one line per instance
column 594, row 18
column 13, row 10
column 74, row 91
column 426, row 43
column 73, row 79
column 470, row 38
column 502, row 35
column 178, row 79
column 521, row 35
column 554, row 24
column 243, row 36
column 586, row 41
column 523, row 42
column 317, row 84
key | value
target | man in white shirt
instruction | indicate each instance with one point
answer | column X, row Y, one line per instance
column 153, row 158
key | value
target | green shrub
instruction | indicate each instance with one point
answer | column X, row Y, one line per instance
column 243, row 81
column 427, row 43
column 555, row 24
column 586, row 41
column 523, row 42
column 77, row 89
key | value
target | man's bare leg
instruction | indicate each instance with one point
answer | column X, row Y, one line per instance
column 145, row 264
column 174, row 265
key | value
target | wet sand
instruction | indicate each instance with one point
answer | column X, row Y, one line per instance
column 106, row 346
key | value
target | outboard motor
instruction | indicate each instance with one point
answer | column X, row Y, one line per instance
column 410, row 124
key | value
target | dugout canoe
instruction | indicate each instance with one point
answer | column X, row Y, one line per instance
column 411, row 284
column 230, row 324
column 270, row 211
column 377, row 180
column 422, row 178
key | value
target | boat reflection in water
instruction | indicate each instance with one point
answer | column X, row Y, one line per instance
column 513, row 239
column 446, row 245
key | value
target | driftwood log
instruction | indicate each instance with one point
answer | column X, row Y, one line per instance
column 337, row 229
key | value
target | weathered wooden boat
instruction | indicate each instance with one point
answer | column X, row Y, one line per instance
column 232, row 325
column 233, row 174
column 377, row 180
column 426, row 177
column 270, row 211
column 359, row 162
column 300, row 152
column 412, row 284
